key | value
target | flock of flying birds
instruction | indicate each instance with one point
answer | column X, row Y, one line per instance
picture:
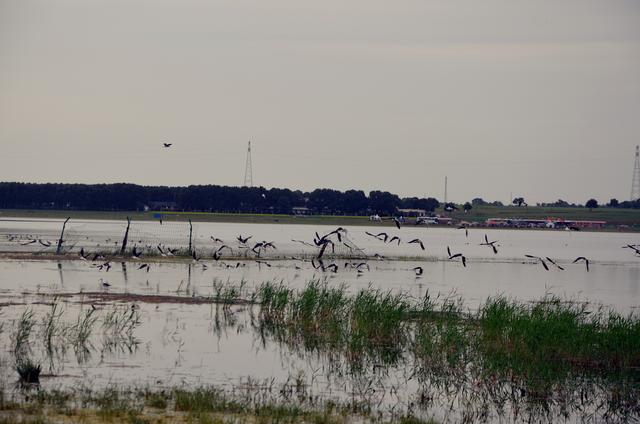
column 323, row 244
column 324, row 241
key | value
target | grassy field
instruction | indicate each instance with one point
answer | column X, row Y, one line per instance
column 613, row 216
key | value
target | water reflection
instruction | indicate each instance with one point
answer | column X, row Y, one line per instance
column 614, row 286
column 425, row 371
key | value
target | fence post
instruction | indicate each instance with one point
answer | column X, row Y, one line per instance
column 126, row 237
column 190, row 234
column 60, row 240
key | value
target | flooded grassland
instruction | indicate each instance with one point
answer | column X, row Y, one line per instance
column 277, row 336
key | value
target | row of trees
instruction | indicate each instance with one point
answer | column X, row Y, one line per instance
column 593, row 203
column 231, row 199
column 211, row 198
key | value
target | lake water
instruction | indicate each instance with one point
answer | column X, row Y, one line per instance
column 203, row 344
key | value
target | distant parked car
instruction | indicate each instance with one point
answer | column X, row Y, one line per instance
column 426, row 220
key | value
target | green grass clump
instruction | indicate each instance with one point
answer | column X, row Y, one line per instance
column 274, row 299
column 205, row 399
column 553, row 335
column 158, row 400
column 544, row 340
column 372, row 323
column 443, row 334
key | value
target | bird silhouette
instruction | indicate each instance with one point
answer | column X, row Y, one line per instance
column 380, row 236
column 417, row 241
column 582, row 258
column 540, row 260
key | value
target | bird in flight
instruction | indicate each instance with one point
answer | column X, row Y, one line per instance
column 417, row 241
column 457, row 255
column 243, row 240
column 539, row 259
column 394, row 238
column 380, row 236
column 582, row 258
column 492, row 244
column 167, row 145
column 303, row 242
column 554, row 263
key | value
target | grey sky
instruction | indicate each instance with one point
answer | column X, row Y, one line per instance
column 540, row 98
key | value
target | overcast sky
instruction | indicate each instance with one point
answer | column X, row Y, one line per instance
column 539, row 98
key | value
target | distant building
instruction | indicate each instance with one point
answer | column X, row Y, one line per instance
column 161, row 206
column 300, row 210
column 412, row 212
column 542, row 223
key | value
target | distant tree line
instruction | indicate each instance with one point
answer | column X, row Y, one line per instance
column 209, row 198
column 593, row 203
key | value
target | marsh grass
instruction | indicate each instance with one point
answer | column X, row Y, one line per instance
column 205, row 404
column 543, row 340
column 121, row 321
column 25, row 326
column 553, row 354
column 554, row 336
column 227, row 293
column 51, row 326
column 28, row 370
column 56, row 336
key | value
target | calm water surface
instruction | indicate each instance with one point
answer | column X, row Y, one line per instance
column 204, row 344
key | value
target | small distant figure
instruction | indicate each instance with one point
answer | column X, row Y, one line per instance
column 167, row 145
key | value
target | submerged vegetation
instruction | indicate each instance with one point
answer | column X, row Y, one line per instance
column 531, row 361
column 55, row 336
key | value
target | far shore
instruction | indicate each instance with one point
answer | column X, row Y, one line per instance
column 627, row 220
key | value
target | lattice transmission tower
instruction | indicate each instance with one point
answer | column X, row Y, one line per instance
column 635, row 185
column 248, row 169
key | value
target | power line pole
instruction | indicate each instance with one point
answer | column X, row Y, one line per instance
column 445, row 190
column 248, row 171
column 635, row 184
